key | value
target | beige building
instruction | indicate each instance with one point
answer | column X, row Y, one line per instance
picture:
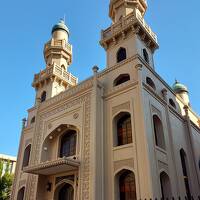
column 9, row 163
column 122, row 134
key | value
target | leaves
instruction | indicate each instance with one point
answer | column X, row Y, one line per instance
column 5, row 181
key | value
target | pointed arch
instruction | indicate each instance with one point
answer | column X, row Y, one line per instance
column 150, row 82
column 145, row 55
column 165, row 185
column 20, row 195
column 64, row 191
column 122, row 78
column 43, row 96
column 125, row 185
column 121, row 54
column 122, row 129
column 172, row 103
column 185, row 171
column 158, row 132
column 26, row 157
column 68, row 143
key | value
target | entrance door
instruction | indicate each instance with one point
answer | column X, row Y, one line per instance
column 66, row 192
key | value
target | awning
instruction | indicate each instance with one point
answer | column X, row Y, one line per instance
column 53, row 167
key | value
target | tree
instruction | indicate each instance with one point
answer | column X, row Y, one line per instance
column 6, row 180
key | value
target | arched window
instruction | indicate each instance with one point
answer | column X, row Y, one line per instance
column 43, row 96
column 146, row 55
column 165, row 186
column 33, row 120
column 121, row 54
column 158, row 132
column 126, row 185
column 20, row 195
column 123, row 128
column 150, row 83
column 185, row 173
column 26, row 158
column 122, row 78
column 171, row 102
column 64, row 191
column 68, row 144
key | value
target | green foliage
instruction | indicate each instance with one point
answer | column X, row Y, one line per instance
column 6, row 180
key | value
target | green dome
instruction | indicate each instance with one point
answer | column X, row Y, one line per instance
column 178, row 87
column 60, row 26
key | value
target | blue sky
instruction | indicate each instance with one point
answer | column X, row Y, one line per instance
column 26, row 26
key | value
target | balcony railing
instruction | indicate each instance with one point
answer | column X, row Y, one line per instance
column 58, row 71
column 128, row 20
column 58, row 43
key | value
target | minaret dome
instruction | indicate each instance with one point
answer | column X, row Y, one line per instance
column 182, row 91
column 60, row 31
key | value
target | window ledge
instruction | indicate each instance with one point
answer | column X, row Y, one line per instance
column 123, row 146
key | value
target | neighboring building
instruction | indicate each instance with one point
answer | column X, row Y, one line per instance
column 8, row 160
column 122, row 134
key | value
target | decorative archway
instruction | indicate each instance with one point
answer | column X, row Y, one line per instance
column 64, row 191
column 125, row 185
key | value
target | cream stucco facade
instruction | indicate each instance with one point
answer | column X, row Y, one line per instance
column 161, row 148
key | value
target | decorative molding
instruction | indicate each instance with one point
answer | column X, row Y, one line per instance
column 124, row 106
column 28, row 141
column 37, row 142
column 123, row 164
column 21, row 183
column 85, row 176
column 76, row 115
column 83, row 86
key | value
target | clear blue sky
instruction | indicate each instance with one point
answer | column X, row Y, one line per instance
column 26, row 26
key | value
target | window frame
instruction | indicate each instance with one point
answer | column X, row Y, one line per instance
column 121, row 54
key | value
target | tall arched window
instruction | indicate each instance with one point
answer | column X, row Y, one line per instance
column 68, row 144
column 158, row 132
column 122, row 78
column 20, row 195
column 150, row 82
column 185, row 173
column 146, row 55
column 26, row 158
column 43, row 96
column 123, row 128
column 165, row 186
column 126, row 185
column 121, row 54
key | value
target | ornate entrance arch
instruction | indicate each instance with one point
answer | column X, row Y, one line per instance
column 64, row 191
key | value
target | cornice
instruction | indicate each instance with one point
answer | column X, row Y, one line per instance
column 71, row 92
column 122, row 88
column 162, row 101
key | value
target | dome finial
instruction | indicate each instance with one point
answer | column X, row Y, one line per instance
column 60, row 26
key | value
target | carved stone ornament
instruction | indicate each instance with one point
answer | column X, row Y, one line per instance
column 76, row 115
column 37, row 145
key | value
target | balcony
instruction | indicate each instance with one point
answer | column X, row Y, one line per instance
column 53, row 167
column 129, row 20
column 55, row 70
column 59, row 44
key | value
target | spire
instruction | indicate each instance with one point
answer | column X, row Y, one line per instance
column 121, row 8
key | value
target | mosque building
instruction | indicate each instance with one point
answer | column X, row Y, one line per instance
column 122, row 134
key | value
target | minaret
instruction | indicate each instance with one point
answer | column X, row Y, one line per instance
column 58, row 56
column 181, row 91
column 128, row 32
